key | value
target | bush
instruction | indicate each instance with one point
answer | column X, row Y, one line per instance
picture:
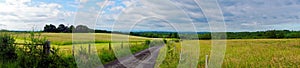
column 32, row 55
column 107, row 56
column 147, row 42
column 7, row 47
column 165, row 41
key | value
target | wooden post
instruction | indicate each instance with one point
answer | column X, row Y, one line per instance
column 109, row 45
column 136, row 43
column 73, row 48
column 89, row 48
column 122, row 44
column 206, row 61
column 47, row 47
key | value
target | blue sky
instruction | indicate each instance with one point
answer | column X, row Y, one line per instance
column 149, row 15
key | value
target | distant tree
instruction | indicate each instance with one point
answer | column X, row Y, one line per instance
column 173, row 35
column 4, row 30
column 47, row 28
column 71, row 28
column 82, row 29
column 62, row 28
column 53, row 28
column 50, row 28
column 65, row 29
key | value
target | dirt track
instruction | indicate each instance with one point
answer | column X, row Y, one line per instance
column 143, row 59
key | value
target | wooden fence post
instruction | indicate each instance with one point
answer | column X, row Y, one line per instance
column 89, row 48
column 73, row 48
column 109, row 45
column 206, row 61
column 47, row 47
column 122, row 44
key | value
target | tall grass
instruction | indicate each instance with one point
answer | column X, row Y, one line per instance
column 66, row 38
column 250, row 53
column 31, row 55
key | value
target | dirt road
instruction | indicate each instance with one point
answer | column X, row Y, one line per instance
column 143, row 59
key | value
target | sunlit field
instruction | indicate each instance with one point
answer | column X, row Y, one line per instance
column 66, row 38
column 240, row 53
column 63, row 41
column 248, row 53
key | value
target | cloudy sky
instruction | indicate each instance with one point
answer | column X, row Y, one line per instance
column 150, row 15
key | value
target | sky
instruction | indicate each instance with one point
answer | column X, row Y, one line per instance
column 151, row 15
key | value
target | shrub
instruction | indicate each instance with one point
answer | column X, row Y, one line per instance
column 165, row 41
column 32, row 55
column 7, row 47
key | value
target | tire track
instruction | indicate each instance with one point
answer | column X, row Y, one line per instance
column 143, row 59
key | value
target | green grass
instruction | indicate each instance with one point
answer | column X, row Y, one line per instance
column 66, row 38
column 249, row 53
column 240, row 53
column 103, row 51
column 63, row 41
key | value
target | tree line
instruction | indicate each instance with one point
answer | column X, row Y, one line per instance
column 156, row 34
column 71, row 29
column 272, row 34
column 61, row 28
column 269, row 34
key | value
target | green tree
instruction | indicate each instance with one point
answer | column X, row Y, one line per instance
column 62, row 28
column 7, row 47
column 71, row 29
column 82, row 29
column 50, row 28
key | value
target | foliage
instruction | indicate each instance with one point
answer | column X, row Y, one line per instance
column 32, row 55
column 7, row 47
column 82, row 29
column 85, row 58
column 165, row 41
column 270, row 34
column 156, row 34
column 107, row 56
column 69, row 29
column 61, row 28
column 50, row 28
column 172, row 56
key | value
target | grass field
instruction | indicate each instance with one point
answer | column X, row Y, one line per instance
column 249, row 53
column 240, row 53
column 66, row 38
column 63, row 41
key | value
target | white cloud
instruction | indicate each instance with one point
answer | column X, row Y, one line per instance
column 19, row 13
column 127, row 3
column 267, row 15
column 164, row 11
column 83, row 1
column 118, row 8
column 251, row 15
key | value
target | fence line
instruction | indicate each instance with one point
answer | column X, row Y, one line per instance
column 109, row 46
column 46, row 46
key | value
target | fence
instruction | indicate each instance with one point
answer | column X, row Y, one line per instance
column 110, row 45
column 46, row 46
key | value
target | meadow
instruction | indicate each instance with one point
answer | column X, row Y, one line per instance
column 247, row 53
column 66, row 38
column 240, row 53
column 62, row 44
column 63, row 41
